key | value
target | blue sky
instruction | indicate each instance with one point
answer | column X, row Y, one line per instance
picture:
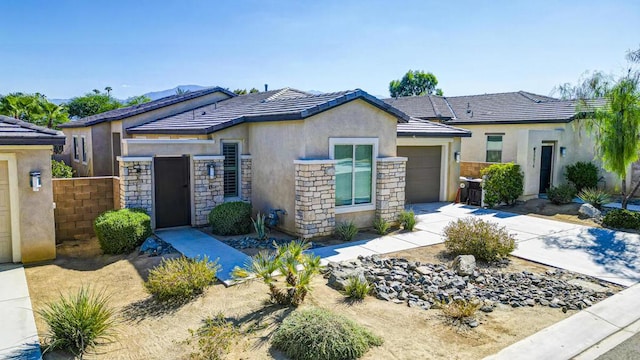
column 66, row 48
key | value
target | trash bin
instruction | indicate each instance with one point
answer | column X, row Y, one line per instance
column 474, row 192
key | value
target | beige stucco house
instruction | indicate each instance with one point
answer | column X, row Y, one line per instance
column 540, row 133
column 323, row 159
column 27, row 231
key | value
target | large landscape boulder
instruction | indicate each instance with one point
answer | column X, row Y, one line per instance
column 340, row 274
column 588, row 211
column 464, row 265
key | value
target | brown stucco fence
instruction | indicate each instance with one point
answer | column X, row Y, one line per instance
column 79, row 201
column 471, row 169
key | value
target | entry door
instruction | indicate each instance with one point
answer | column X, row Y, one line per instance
column 5, row 214
column 172, row 190
column 546, row 168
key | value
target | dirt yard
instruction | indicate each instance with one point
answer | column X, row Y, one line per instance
column 147, row 331
column 546, row 209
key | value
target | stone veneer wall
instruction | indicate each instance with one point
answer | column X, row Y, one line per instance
column 390, row 187
column 245, row 177
column 315, row 189
column 135, row 183
column 208, row 192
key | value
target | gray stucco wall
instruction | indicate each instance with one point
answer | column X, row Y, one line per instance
column 101, row 150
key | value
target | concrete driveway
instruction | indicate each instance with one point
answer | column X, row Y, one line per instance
column 604, row 254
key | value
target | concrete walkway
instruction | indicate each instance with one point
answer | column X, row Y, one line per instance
column 193, row 243
column 18, row 333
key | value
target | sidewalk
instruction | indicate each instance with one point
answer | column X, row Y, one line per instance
column 18, row 333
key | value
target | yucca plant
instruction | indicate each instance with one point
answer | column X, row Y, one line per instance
column 260, row 227
column 594, row 196
column 357, row 288
column 79, row 323
column 346, row 231
column 407, row 219
column 290, row 261
column 381, row 226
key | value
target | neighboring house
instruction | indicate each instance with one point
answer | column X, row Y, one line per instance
column 27, row 232
column 540, row 133
column 323, row 159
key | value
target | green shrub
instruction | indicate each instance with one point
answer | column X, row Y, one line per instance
column 407, row 219
column 381, row 226
column 60, row 170
column 290, row 261
column 260, row 227
column 595, row 197
column 622, row 219
column 582, row 175
column 213, row 339
column 562, row 194
column 317, row 334
column 181, row 278
column 357, row 288
column 121, row 231
column 482, row 239
column 346, row 231
column 502, row 183
column 232, row 218
column 79, row 323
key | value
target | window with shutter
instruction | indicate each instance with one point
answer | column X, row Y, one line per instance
column 231, row 164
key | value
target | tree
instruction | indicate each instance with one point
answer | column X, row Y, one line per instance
column 91, row 104
column 615, row 126
column 415, row 83
column 53, row 115
column 108, row 90
column 33, row 108
column 137, row 100
column 181, row 91
column 240, row 91
column 253, row 91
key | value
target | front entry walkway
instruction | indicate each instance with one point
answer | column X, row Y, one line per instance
column 193, row 243
column 18, row 333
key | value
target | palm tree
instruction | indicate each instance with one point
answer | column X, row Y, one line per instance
column 96, row 91
column 53, row 114
column 108, row 90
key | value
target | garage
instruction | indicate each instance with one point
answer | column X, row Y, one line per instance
column 423, row 173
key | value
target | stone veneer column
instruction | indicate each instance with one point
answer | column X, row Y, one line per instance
column 207, row 192
column 245, row 177
column 390, row 187
column 315, row 189
column 136, row 190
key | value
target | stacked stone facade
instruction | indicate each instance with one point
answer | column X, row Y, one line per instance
column 208, row 192
column 390, row 187
column 315, row 189
column 136, row 190
column 245, row 177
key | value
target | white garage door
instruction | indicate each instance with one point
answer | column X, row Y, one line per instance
column 5, row 214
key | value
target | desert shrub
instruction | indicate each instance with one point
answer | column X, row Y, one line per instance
column 595, row 197
column 582, row 175
column 232, row 218
column 121, row 231
column 502, row 183
column 622, row 219
column 346, row 231
column 79, row 323
column 407, row 219
column 321, row 335
column 213, row 339
column 381, row 226
column 60, row 170
column 562, row 194
column 290, row 261
column 460, row 309
column 482, row 239
column 260, row 227
column 181, row 278
column 357, row 288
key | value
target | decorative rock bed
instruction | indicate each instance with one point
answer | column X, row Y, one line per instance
column 249, row 242
column 153, row 246
column 427, row 285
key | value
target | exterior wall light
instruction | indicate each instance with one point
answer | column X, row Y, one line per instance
column 456, row 156
column 563, row 151
column 211, row 171
column 35, row 180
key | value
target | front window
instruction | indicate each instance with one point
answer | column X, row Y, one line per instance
column 231, row 176
column 354, row 170
column 494, row 148
column 84, row 150
column 76, row 151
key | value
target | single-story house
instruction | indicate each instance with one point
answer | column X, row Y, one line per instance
column 542, row 134
column 323, row 159
column 27, row 232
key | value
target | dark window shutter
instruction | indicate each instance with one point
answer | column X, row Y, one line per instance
column 230, row 152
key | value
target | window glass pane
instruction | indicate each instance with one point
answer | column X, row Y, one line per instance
column 363, row 168
column 84, row 150
column 494, row 156
column 344, row 172
column 494, row 142
column 75, row 148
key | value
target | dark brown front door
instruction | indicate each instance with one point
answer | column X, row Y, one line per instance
column 173, row 205
column 423, row 173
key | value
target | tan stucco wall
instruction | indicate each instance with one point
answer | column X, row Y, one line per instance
column 81, row 168
column 37, row 231
column 362, row 219
column 519, row 141
column 100, row 149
